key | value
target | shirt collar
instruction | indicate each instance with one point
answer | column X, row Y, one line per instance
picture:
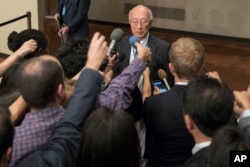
column 181, row 83
column 144, row 41
column 44, row 113
column 197, row 147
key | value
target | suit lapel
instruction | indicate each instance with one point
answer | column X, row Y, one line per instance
column 69, row 4
column 127, row 53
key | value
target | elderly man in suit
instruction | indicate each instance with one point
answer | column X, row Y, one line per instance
column 73, row 18
column 140, row 20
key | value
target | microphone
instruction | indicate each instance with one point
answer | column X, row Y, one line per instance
column 133, row 40
column 163, row 76
column 115, row 36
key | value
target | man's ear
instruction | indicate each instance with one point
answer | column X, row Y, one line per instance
column 150, row 22
column 188, row 122
column 171, row 68
column 42, row 51
column 60, row 92
column 9, row 152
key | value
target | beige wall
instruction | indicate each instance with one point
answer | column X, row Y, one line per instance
column 219, row 17
column 224, row 17
column 11, row 9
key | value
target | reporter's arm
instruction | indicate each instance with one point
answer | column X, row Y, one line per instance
column 146, row 91
column 18, row 109
column 118, row 93
column 27, row 47
column 242, row 107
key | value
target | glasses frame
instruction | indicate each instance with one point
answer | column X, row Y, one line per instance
column 143, row 22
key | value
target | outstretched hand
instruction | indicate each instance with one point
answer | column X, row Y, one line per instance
column 144, row 52
column 214, row 74
column 97, row 51
column 242, row 101
column 27, row 47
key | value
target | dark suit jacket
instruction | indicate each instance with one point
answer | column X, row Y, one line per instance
column 159, row 60
column 61, row 149
column 76, row 17
column 244, row 122
column 168, row 142
column 197, row 160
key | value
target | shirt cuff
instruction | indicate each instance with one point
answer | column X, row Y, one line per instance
column 244, row 114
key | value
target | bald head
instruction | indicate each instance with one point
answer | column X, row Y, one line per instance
column 38, row 80
column 141, row 9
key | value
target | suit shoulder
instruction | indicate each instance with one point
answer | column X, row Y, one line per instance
column 123, row 42
column 124, row 39
column 158, row 98
column 159, row 41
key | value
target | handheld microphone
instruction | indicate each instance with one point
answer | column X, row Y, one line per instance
column 115, row 37
column 133, row 40
column 163, row 76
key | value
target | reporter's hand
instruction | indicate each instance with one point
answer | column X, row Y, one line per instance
column 57, row 17
column 156, row 90
column 242, row 102
column 63, row 31
column 214, row 74
column 143, row 52
column 97, row 51
column 27, row 47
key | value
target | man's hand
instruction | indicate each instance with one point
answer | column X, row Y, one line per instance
column 214, row 75
column 57, row 17
column 242, row 101
column 63, row 31
column 144, row 53
column 97, row 51
column 156, row 90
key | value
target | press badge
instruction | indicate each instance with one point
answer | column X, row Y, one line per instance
column 64, row 10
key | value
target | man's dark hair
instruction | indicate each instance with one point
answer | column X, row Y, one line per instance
column 37, row 79
column 73, row 56
column 209, row 103
column 6, row 131
column 228, row 138
column 109, row 139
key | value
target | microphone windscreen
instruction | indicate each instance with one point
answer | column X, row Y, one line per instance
column 133, row 40
column 161, row 74
column 116, row 34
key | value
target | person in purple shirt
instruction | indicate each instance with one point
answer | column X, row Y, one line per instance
column 43, row 90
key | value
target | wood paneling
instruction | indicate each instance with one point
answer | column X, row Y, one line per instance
column 51, row 29
column 229, row 56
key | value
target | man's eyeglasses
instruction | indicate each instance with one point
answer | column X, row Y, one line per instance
column 143, row 22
